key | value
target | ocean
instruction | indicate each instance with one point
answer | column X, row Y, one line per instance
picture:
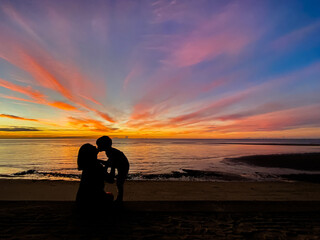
column 155, row 159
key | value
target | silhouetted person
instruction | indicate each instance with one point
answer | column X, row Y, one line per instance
column 116, row 160
column 91, row 190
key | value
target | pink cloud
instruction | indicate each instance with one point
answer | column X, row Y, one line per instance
column 226, row 33
column 176, row 94
column 280, row 120
column 296, row 36
column 226, row 108
column 155, row 100
column 198, row 49
column 171, row 10
column 209, row 112
column 20, row 21
column 213, row 108
column 135, row 72
column 90, row 99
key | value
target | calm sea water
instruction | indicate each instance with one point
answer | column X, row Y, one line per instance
column 56, row 158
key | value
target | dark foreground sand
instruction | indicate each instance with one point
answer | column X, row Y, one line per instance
column 60, row 220
column 163, row 210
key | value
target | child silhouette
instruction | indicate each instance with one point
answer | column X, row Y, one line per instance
column 116, row 160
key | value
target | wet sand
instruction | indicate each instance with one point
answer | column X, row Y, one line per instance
column 164, row 210
column 297, row 161
column 44, row 190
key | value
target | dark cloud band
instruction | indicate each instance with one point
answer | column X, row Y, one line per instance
column 19, row 129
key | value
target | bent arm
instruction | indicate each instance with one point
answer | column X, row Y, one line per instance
column 106, row 164
column 108, row 177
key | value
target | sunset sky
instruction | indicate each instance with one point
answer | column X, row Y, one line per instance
column 169, row 69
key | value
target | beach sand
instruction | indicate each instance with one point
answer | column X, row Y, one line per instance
column 34, row 209
column 45, row 190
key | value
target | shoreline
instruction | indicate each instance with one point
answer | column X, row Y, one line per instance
column 307, row 163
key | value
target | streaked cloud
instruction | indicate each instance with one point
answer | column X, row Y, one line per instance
column 160, row 68
column 293, row 38
column 17, row 117
column 307, row 116
column 21, row 89
column 62, row 105
column 36, row 96
column 227, row 32
column 19, row 129
column 135, row 72
column 89, row 124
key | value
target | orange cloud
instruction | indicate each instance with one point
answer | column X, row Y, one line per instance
column 41, row 121
column 89, row 124
column 37, row 97
column 18, row 99
column 105, row 116
column 62, row 105
column 43, row 76
column 24, row 90
column 48, row 72
column 17, row 55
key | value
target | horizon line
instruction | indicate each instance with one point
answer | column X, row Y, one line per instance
column 115, row 137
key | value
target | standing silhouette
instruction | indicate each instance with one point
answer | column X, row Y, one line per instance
column 91, row 190
column 116, row 160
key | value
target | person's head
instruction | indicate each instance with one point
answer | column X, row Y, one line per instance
column 104, row 143
column 87, row 156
